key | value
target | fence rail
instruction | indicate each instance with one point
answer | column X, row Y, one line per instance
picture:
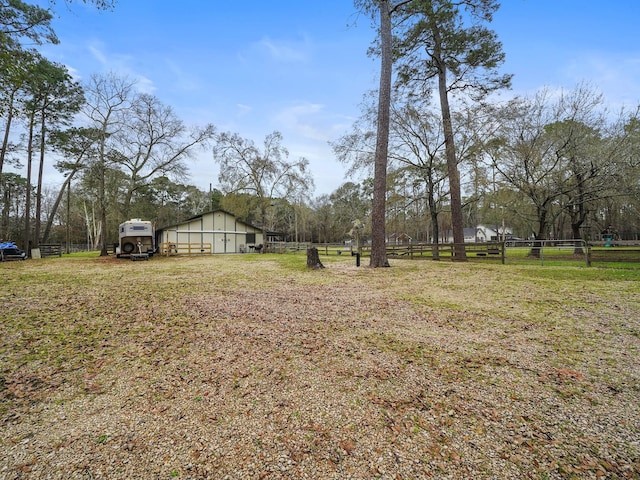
column 174, row 248
column 51, row 249
column 544, row 250
column 511, row 251
column 617, row 243
column 285, row 247
column 437, row 251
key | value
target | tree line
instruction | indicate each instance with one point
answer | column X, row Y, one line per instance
column 437, row 149
column 552, row 165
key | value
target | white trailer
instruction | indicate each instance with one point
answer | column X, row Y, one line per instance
column 136, row 240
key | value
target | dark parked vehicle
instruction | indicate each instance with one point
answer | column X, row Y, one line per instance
column 9, row 251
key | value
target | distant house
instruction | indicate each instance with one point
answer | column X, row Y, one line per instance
column 480, row 234
column 469, row 236
column 494, row 233
column 213, row 232
column 399, row 238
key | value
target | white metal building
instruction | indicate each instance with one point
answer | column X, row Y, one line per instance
column 214, row 232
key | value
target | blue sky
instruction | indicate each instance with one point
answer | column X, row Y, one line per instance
column 300, row 67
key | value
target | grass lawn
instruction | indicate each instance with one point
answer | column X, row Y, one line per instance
column 252, row 366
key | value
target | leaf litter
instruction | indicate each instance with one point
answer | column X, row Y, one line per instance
column 340, row 373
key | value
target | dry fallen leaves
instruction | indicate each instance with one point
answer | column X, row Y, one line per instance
column 224, row 368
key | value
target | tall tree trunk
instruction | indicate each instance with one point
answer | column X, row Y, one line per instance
column 128, row 197
column 543, row 230
column 435, row 230
column 578, row 216
column 4, row 225
column 103, row 210
column 27, row 209
column 7, row 129
column 68, row 222
column 378, row 228
column 6, row 205
column 88, row 224
column 263, row 212
column 102, row 200
column 54, row 209
column 39, row 187
column 459, row 253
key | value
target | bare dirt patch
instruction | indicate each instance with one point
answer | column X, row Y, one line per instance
column 250, row 367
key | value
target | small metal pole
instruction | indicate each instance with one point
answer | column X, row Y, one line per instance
column 357, row 259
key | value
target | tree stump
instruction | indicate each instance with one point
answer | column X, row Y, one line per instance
column 313, row 259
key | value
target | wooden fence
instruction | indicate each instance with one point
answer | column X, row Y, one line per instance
column 168, row 249
column 492, row 250
column 50, row 249
column 443, row 250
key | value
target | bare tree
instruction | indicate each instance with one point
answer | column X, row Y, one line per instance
column 562, row 153
column 418, row 152
column 154, row 142
column 265, row 173
column 109, row 99
column 77, row 147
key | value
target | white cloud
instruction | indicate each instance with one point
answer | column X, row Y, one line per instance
column 243, row 110
column 96, row 51
column 312, row 121
column 615, row 75
column 121, row 64
column 283, row 51
column 307, row 128
column 143, row 84
column 181, row 78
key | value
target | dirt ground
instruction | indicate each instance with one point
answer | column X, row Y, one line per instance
column 253, row 367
